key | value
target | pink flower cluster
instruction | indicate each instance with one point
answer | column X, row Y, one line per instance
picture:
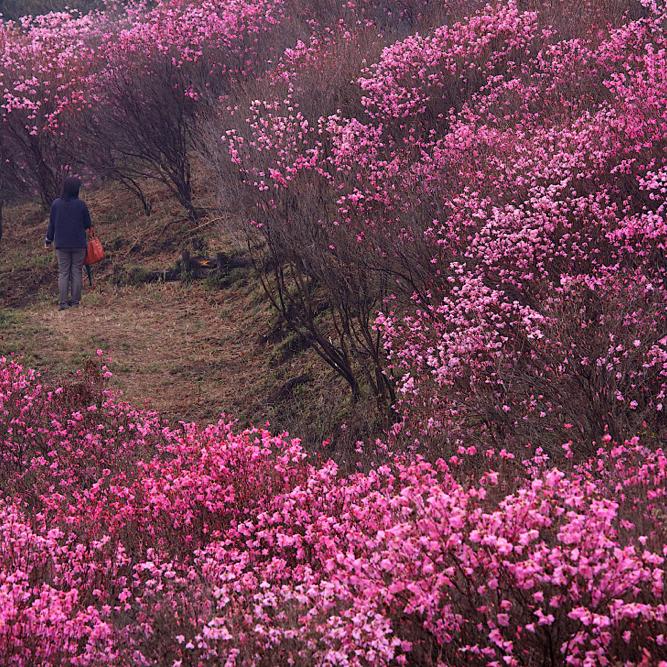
column 419, row 72
column 124, row 541
column 212, row 31
column 57, row 63
column 42, row 63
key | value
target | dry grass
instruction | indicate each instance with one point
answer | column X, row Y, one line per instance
column 185, row 350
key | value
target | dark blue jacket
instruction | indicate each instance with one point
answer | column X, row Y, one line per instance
column 68, row 223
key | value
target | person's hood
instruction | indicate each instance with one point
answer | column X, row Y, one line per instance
column 71, row 187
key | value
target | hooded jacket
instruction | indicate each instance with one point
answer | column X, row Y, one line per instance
column 68, row 222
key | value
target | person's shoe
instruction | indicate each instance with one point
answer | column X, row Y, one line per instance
column 74, row 305
column 63, row 306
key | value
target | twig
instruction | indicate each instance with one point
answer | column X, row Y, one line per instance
column 205, row 224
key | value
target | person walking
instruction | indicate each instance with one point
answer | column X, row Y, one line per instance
column 68, row 223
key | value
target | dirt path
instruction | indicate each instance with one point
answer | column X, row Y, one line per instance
column 185, row 350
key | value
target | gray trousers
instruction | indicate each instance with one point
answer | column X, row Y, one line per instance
column 70, row 265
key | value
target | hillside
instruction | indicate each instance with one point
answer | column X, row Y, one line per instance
column 382, row 378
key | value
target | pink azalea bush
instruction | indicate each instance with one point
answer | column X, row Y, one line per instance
column 125, row 541
column 44, row 63
column 116, row 93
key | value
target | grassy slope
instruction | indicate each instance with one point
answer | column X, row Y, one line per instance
column 191, row 351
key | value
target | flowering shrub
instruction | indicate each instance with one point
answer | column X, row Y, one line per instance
column 421, row 74
column 125, row 541
column 553, row 292
column 117, row 93
column 44, row 63
column 498, row 194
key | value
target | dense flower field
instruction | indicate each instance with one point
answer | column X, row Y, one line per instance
column 124, row 541
column 460, row 206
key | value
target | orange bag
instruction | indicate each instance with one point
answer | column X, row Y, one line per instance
column 94, row 251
